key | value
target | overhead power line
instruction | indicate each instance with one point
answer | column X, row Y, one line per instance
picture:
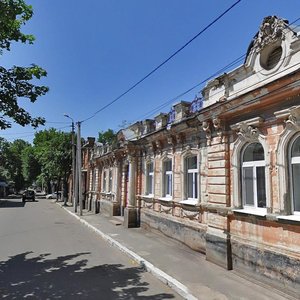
column 164, row 62
column 234, row 62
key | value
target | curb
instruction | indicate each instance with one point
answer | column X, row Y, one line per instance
column 174, row 284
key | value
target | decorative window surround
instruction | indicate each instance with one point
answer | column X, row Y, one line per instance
column 291, row 116
column 247, row 134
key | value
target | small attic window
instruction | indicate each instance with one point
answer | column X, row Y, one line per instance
column 269, row 60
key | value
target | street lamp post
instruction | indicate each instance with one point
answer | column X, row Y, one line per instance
column 73, row 163
column 78, row 177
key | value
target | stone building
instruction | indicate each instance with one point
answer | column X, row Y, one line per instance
column 221, row 173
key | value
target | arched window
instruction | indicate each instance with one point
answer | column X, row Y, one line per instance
column 167, row 178
column 295, row 175
column 253, row 176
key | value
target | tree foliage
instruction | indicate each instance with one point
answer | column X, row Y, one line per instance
column 11, row 161
column 16, row 82
column 107, row 137
column 31, row 168
column 53, row 150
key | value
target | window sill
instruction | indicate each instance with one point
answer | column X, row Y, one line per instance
column 147, row 196
column 249, row 211
column 294, row 218
column 165, row 199
column 193, row 202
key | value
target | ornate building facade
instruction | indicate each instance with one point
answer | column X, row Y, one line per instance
column 221, row 173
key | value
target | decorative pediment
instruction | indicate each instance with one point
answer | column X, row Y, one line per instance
column 247, row 130
column 291, row 116
column 270, row 31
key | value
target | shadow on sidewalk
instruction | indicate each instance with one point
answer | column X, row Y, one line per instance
column 60, row 278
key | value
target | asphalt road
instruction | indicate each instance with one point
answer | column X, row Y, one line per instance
column 47, row 254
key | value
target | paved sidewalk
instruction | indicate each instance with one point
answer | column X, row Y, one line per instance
column 185, row 270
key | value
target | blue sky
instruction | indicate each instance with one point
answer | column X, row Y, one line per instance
column 94, row 50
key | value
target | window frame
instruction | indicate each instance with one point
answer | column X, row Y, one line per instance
column 290, row 172
column 149, row 177
column 110, row 180
column 254, row 165
column 167, row 177
column 195, row 183
column 104, row 181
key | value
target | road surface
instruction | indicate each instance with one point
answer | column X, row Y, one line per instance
column 47, row 254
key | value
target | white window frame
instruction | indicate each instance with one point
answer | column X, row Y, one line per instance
column 167, row 177
column 149, row 177
column 252, row 164
column 104, row 181
column 195, row 181
column 293, row 160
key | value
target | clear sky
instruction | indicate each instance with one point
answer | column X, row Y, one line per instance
column 94, row 50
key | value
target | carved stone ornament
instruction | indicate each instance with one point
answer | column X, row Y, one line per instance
column 158, row 146
column 171, row 140
column 206, row 128
column 270, row 31
column 192, row 215
column 218, row 128
column 248, row 132
column 294, row 117
column 180, row 138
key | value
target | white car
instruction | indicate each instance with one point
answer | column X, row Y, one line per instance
column 54, row 195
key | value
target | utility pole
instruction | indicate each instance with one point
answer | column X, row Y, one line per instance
column 73, row 192
column 73, row 162
column 78, row 177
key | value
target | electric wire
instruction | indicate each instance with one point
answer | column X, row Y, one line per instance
column 208, row 78
column 247, row 87
column 163, row 63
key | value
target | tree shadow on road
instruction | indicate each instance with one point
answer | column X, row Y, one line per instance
column 11, row 203
column 40, row 277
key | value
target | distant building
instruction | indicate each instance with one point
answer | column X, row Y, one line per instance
column 221, row 173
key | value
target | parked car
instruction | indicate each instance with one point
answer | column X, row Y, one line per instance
column 28, row 194
column 54, row 195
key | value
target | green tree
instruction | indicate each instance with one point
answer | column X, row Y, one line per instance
column 31, row 168
column 53, row 151
column 107, row 137
column 11, row 161
column 16, row 82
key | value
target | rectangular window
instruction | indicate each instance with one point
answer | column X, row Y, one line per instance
column 104, row 182
column 96, row 179
column 296, row 186
column 168, row 178
column 254, row 184
column 261, row 186
column 149, row 179
column 110, row 181
column 248, row 186
column 192, row 177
